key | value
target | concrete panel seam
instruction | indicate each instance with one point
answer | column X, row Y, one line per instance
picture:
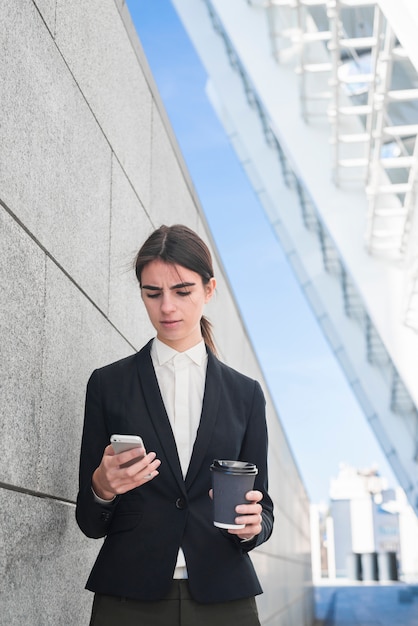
column 36, row 494
column 64, row 271
column 76, row 83
column 42, row 17
column 113, row 152
column 97, row 121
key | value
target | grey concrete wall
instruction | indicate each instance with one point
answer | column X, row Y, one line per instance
column 88, row 168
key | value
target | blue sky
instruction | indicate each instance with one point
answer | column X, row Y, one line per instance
column 321, row 418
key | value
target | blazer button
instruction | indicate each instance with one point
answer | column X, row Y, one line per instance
column 180, row 503
column 105, row 515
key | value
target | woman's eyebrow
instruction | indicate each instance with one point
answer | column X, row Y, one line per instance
column 152, row 287
column 182, row 285
column 178, row 286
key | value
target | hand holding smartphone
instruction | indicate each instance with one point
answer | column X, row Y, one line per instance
column 122, row 443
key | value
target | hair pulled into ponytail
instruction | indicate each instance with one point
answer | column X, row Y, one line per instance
column 179, row 245
column 207, row 333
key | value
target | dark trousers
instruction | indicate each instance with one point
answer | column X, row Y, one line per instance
column 177, row 609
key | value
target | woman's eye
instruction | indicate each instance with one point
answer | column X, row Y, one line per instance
column 153, row 295
column 183, row 293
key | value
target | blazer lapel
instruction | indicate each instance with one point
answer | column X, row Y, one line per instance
column 208, row 417
column 157, row 412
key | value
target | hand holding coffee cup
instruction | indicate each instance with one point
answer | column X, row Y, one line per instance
column 231, row 481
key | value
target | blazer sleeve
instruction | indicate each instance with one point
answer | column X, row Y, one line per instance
column 254, row 449
column 92, row 516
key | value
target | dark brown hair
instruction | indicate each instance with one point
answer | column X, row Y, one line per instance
column 179, row 245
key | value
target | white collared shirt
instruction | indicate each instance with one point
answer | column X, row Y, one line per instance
column 181, row 377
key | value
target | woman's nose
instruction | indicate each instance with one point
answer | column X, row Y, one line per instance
column 167, row 303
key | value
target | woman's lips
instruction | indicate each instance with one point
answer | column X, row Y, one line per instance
column 170, row 323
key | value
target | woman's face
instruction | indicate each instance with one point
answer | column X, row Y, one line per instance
column 174, row 298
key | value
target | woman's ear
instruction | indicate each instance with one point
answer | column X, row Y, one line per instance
column 210, row 288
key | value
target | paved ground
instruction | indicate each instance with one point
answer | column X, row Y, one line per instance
column 394, row 604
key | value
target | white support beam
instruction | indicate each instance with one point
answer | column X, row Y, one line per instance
column 404, row 21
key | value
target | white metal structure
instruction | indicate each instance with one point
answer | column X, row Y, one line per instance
column 320, row 101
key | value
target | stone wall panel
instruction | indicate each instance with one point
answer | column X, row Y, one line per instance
column 54, row 160
column 22, row 296
column 92, row 38
column 78, row 339
column 44, row 563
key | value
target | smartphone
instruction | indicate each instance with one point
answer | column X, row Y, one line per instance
column 121, row 443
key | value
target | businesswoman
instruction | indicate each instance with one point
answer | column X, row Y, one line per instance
column 163, row 562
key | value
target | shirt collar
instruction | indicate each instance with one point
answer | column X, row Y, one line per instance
column 164, row 353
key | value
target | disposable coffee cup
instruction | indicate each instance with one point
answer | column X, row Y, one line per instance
column 231, row 480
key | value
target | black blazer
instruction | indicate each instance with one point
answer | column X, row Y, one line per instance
column 145, row 527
